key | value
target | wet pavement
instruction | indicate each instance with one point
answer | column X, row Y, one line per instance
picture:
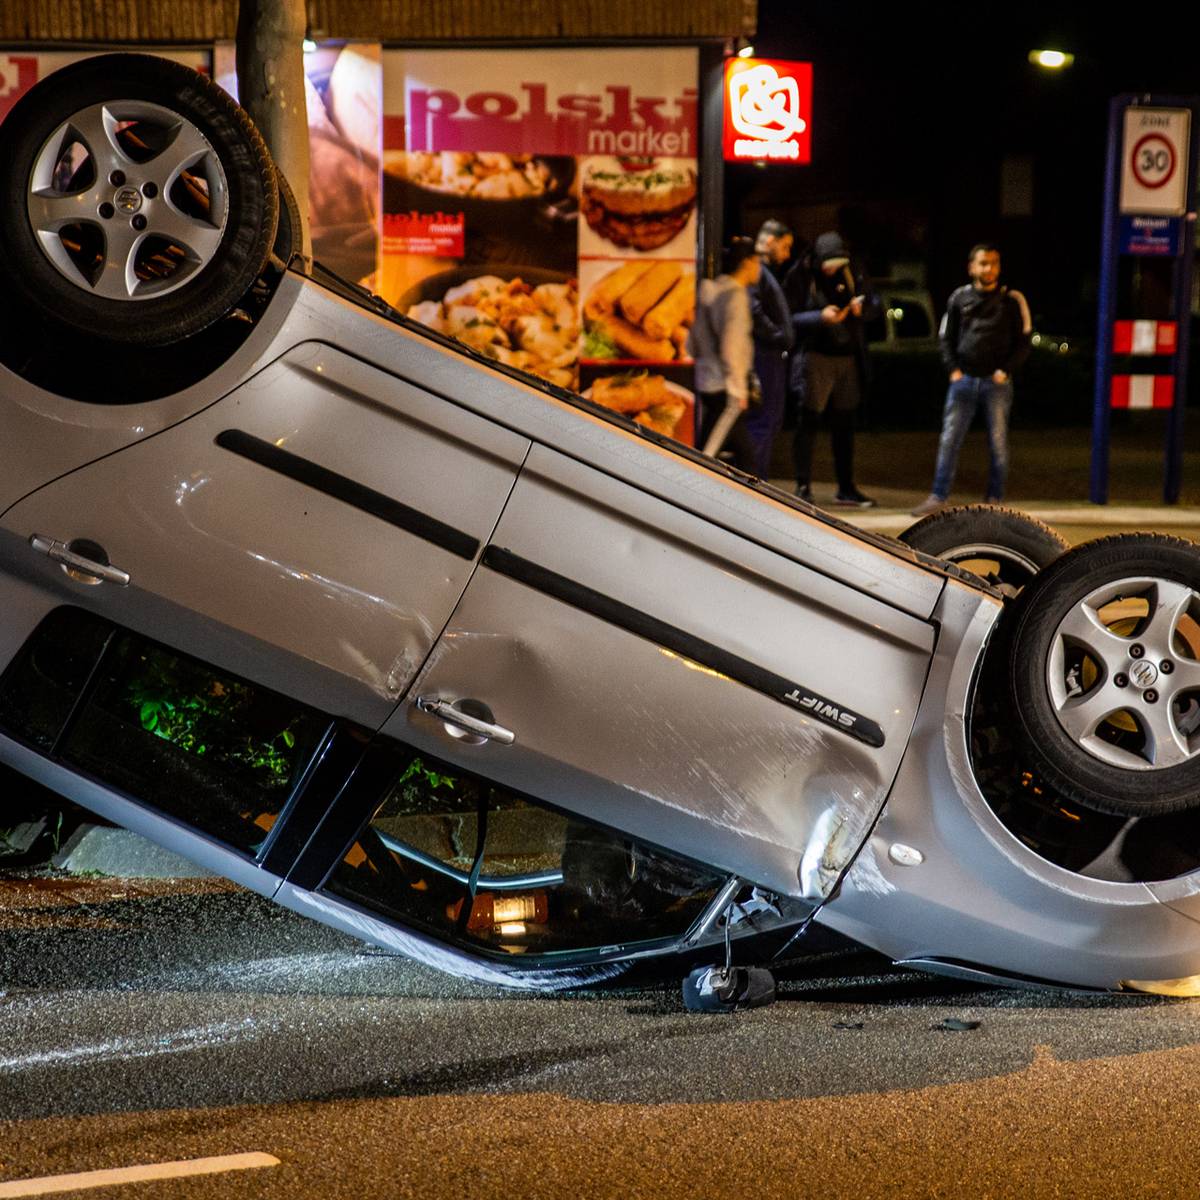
column 150, row 1021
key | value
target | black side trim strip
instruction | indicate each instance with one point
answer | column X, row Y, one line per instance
column 321, row 479
column 505, row 562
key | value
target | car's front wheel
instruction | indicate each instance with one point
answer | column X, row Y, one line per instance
column 137, row 200
column 1104, row 674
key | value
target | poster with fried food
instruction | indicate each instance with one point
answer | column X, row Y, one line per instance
column 541, row 207
column 636, row 311
column 658, row 398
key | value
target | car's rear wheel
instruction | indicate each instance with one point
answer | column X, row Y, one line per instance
column 137, row 200
column 1104, row 675
column 1003, row 546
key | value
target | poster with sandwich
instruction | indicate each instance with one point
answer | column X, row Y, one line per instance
column 541, row 207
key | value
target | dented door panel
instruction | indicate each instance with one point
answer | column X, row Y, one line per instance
column 622, row 641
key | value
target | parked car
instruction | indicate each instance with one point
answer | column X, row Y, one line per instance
column 465, row 664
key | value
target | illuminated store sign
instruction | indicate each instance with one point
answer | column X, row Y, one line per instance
column 768, row 111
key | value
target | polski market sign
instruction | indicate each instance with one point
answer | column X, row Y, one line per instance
column 768, row 111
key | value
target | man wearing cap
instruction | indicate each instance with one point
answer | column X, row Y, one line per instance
column 985, row 336
column 831, row 301
column 773, row 338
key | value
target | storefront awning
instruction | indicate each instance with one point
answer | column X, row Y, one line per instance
column 408, row 21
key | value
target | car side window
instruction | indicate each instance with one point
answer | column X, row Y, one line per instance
column 876, row 329
column 910, row 319
column 209, row 748
column 470, row 862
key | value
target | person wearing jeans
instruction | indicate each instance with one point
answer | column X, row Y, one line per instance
column 985, row 337
column 966, row 396
column 773, row 338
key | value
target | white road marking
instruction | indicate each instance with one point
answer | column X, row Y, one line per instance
column 220, row 1033
column 47, row 1185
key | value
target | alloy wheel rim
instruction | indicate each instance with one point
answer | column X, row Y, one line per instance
column 1123, row 673
column 128, row 200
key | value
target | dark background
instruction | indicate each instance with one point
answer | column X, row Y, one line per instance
column 924, row 118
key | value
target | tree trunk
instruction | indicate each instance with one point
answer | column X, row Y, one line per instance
column 270, row 67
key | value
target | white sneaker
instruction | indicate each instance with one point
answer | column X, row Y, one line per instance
column 930, row 504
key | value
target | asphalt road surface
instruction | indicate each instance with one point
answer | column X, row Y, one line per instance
column 158, row 1022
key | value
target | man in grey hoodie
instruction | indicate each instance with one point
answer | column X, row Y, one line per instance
column 721, row 344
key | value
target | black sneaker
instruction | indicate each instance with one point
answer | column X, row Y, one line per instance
column 853, row 499
column 804, row 492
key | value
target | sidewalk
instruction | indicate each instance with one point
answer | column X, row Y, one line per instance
column 1049, row 477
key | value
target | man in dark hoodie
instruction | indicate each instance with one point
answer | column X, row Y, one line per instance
column 831, row 301
column 773, row 339
column 985, row 337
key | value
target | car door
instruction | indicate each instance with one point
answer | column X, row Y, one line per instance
column 312, row 531
column 647, row 669
column 214, row 603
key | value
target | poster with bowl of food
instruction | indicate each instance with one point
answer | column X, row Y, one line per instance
column 514, row 208
column 523, row 317
column 637, row 206
column 499, row 195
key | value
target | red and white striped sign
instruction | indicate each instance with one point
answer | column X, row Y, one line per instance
column 1145, row 337
column 1143, row 391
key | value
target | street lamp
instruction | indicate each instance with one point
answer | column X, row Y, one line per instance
column 1051, row 60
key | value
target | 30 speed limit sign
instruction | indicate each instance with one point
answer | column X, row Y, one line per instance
column 1154, row 161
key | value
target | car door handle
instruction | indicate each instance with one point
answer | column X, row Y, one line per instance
column 446, row 711
column 77, row 565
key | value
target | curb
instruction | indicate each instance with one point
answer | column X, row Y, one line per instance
column 104, row 850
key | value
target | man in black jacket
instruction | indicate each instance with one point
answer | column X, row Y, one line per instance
column 831, row 302
column 985, row 337
column 772, row 339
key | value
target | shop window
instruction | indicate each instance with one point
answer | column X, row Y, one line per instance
column 472, row 863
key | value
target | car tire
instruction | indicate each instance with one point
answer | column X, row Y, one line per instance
column 137, row 200
column 1004, row 547
column 287, row 236
column 1103, row 675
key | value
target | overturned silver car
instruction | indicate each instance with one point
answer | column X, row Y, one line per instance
column 477, row 670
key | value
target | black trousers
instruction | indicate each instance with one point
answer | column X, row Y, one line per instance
column 831, row 384
column 841, row 435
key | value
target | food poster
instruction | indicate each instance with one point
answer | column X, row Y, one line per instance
column 343, row 92
column 542, row 207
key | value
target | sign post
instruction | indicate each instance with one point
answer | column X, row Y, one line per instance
column 1146, row 273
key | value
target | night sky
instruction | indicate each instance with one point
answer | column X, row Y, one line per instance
column 921, row 112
